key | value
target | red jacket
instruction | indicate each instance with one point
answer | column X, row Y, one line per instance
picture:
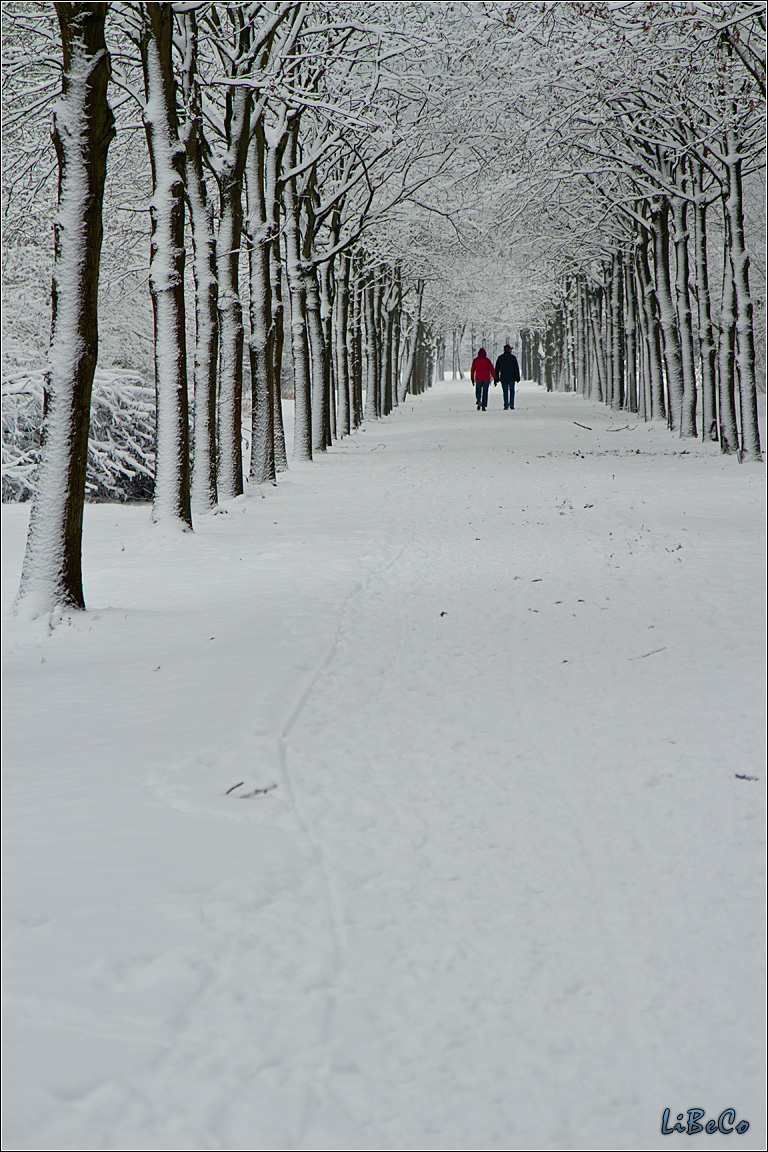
column 482, row 369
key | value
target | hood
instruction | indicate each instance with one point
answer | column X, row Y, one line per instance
column 481, row 353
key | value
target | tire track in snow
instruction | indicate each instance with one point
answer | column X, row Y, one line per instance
column 334, row 913
column 432, row 557
column 315, row 1091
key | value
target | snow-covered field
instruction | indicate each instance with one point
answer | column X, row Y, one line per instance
column 400, row 807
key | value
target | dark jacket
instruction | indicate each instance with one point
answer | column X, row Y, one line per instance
column 507, row 368
column 482, row 369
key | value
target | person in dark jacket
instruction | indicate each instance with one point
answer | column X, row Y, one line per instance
column 508, row 372
column 481, row 373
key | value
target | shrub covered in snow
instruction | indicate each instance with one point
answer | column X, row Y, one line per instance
column 121, row 439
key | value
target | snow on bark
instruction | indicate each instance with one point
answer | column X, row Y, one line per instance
column 617, row 330
column 650, row 305
column 372, row 404
column 597, row 345
column 319, row 345
column 341, row 352
column 396, row 334
column 326, row 284
column 203, row 483
column 389, row 306
column 318, row 361
column 630, row 339
column 231, row 333
column 204, row 491
column 355, row 341
column 166, row 269
column 684, row 317
column 581, row 335
column 707, row 349
column 262, row 470
column 405, row 384
column 83, row 129
column 276, row 333
column 745, row 340
column 729, row 432
column 302, row 440
column 667, row 312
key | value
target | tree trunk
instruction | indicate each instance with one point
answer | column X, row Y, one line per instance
column 617, row 331
column 231, row 337
column 356, row 344
column 729, row 433
column 277, row 328
column 405, row 385
column 745, row 339
column 707, row 349
column 597, row 344
column 549, row 347
column 460, row 334
column 643, row 360
column 606, row 303
column 166, row 267
column 396, row 325
column 581, row 336
column 320, row 379
column 340, row 343
column 326, row 280
column 630, row 338
column 378, row 327
column 372, row 403
column 667, row 313
column 83, row 129
column 302, row 439
column 652, row 331
column 262, row 469
column 203, row 489
column 684, row 318
column 386, row 348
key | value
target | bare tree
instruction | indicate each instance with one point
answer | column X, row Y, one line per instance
column 83, row 130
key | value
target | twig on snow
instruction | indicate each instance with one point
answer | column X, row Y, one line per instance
column 257, row 792
column 649, row 653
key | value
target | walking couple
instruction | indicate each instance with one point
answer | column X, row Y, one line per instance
column 507, row 371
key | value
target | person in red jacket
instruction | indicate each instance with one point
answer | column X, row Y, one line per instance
column 481, row 373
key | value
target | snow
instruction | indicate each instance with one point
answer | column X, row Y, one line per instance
column 398, row 807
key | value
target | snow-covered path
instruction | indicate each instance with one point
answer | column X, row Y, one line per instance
column 498, row 674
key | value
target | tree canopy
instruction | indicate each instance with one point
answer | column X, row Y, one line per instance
column 324, row 197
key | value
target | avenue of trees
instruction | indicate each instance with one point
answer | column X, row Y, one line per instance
column 361, row 189
column 656, row 120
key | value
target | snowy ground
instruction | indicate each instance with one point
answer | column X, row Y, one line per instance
column 497, row 677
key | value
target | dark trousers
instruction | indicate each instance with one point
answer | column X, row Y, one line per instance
column 508, row 388
column 481, row 391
